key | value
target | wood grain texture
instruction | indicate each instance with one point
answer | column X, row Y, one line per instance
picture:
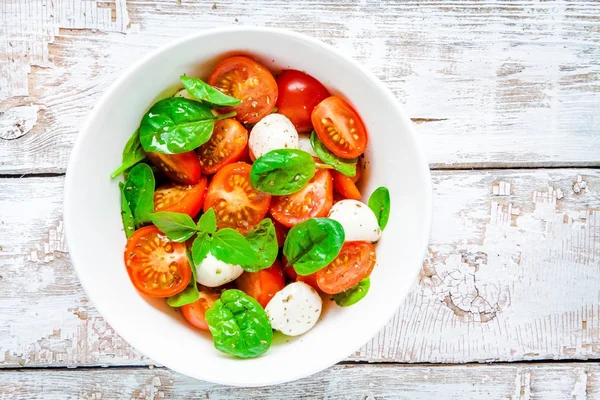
column 489, row 83
column 513, row 273
column 348, row 382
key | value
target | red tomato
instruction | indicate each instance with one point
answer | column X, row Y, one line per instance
column 226, row 145
column 343, row 185
column 339, row 127
column 299, row 93
column 308, row 279
column 187, row 199
column 195, row 312
column 249, row 81
column 262, row 285
column 182, row 168
column 281, row 232
column 354, row 263
column 157, row 266
column 236, row 203
column 315, row 200
column 356, row 177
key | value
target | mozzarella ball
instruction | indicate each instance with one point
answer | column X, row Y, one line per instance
column 304, row 144
column 185, row 94
column 357, row 219
column 273, row 132
column 294, row 309
column 212, row 272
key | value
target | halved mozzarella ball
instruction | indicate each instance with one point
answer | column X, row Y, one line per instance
column 212, row 272
column 304, row 144
column 185, row 94
column 273, row 132
column 357, row 219
column 294, row 309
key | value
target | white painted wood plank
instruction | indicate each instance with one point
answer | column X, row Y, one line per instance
column 512, row 274
column 491, row 83
column 348, row 382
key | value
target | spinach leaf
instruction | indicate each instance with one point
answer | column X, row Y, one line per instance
column 354, row 294
column 313, row 244
column 208, row 222
column 283, row 171
column 126, row 215
column 176, row 125
column 379, row 202
column 231, row 247
column 190, row 294
column 263, row 240
column 139, row 192
column 200, row 247
column 132, row 154
column 239, row 325
column 346, row 166
column 177, row 226
column 207, row 94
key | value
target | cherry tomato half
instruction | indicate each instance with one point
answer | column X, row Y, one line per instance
column 344, row 185
column 339, row 127
column 182, row 168
column 157, row 266
column 236, row 203
column 187, row 199
column 195, row 312
column 354, row 263
column 315, row 200
column 226, row 145
column 249, row 81
column 299, row 93
column 262, row 285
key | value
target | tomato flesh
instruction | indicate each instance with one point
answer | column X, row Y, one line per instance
column 299, row 93
column 339, row 127
column 344, row 185
column 182, row 168
column 226, row 145
column 354, row 263
column 262, row 285
column 315, row 200
column 236, row 203
column 311, row 279
column 157, row 266
column 195, row 312
column 186, row 199
column 249, row 81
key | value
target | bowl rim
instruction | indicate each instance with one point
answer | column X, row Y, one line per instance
column 319, row 363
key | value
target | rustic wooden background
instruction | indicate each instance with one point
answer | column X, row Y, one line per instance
column 506, row 95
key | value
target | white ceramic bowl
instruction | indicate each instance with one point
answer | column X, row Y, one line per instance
column 96, row 240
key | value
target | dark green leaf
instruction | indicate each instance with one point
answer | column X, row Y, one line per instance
column 190, row 294
column 139, row 192
column 354, row 294
column 283, row 171
column 132, row 154
column 208, row 222
column 176, row 125
column 231, row 247
column 379, row 202
column 207, row 94
column 313, row 244
column 239, row 325
column 200, row 247
column 126, row 215
column 346, row 166
column 263, row 240
column 177, row 226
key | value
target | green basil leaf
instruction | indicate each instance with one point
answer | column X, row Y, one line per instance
column 379, row 202
column 200, row 247
column 126, row 215
column 176, row 125
column 263, row 240
column 346, row 166
column 239, row 325
column 283, row 171
column 177, row 226
column 132, row 154
column 190, row 294
column 139, row 192
column 313, row 244
column 231, row 247
column 207, row 94
column 354, row 294
column 208, row 222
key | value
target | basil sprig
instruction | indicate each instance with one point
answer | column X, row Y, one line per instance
column 207, row 94
column 190, row 294
column 132, row 154
column 354, row 294
column 138, row 191
column 379, row 202
column 346, row 166
column 313, row 244
column 282, row 172
column 126, row 214
column 263, row 240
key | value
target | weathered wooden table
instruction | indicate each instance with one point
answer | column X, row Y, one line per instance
column 506, row 95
